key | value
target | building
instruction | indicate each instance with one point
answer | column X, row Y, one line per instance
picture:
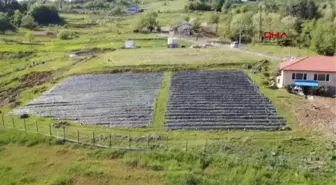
column 129, row 44
column 314, row 71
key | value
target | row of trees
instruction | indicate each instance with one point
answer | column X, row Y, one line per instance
column 308, row 23
column 28, row 15
column 319, row 35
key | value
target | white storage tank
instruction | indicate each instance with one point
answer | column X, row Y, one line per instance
column 129, row 44
column 172, row 42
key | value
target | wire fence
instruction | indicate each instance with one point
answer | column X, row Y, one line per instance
column 101, row 138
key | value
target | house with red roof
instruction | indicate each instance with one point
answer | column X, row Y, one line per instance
column 313, row 71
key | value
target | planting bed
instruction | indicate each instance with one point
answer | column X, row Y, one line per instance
column 124, row 99
column 210, row 100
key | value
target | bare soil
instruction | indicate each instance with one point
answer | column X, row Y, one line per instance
column 35, row 79
column 318, row 114
column 92, row 51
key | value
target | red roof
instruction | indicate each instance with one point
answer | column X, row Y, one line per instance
column 313, row 63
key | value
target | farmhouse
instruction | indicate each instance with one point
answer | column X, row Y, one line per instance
column 314, row 71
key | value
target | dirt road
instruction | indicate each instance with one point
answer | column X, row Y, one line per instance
column 205, row 41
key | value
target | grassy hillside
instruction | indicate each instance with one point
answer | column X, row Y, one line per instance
column 189, row 157
column 32, row 159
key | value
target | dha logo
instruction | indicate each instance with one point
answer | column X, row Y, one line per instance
column 271, row 35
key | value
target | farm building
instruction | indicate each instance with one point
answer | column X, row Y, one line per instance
column 129, row 44
column 172, row 42
column 45, row 34
column 314, row 71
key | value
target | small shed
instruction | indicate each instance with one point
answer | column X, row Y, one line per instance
column 172, row 42
column 73, row 56
column 129, row 44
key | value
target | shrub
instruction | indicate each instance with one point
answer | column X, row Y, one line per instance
column 65, row 35
column 288, row 88
column 28, row 22
column 265, row 82
column 45, row 15
column 266, row 74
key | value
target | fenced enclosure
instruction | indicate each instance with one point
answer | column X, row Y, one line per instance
column 102, row 138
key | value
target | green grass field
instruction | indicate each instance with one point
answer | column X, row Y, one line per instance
column 185, row 157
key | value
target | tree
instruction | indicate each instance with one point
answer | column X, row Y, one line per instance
column 45, row 15
column 217, row 6
column 196, row 25
column 214, row 19
column 305, row 9
column 186, row 18
column 241, row 24
column 323, row 38
column 28, row 22
column 147, row 21
column 30, row 36
column 306, row 33
column 5, row 24
column 17, row 18
column 226, row 6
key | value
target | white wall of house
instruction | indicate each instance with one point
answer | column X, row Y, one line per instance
column 286, row 78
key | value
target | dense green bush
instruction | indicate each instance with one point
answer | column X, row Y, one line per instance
column 5, row 24
column 45, row 15
column 28, row 22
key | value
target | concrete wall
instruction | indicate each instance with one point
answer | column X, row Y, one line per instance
column 286, row 78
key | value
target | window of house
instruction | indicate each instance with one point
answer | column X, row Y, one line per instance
column 299, row 76
column 321, row 77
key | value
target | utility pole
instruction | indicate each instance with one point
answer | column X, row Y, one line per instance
column 260, row 23
column 240, row 33
column 288, row 28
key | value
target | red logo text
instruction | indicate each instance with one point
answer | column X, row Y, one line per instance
column 271, row 35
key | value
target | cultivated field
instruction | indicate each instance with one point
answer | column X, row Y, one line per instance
column 123, row 100
column 211, row 100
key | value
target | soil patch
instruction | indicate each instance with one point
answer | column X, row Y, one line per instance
column 93, row 51
column 34, row 79
column 318, row 114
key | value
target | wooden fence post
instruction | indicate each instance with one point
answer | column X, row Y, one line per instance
column 50, row 130
column 13, row 122
column 110, row 141
column 129, row 141
column 64, row 134
column 25, row 126
column 93, row 138
column 37, row 129
column 206, row 145
column 167, row 142
column 148, row 142
column 3, row 120
column 186, row 144
column 77, row 136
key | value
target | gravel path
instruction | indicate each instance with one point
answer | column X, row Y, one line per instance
column 124, row 99
column 204, row 41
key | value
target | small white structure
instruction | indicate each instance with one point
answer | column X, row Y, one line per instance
column 129, row 44
column 73, row 56
column 234, row 45
column 172, row 42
